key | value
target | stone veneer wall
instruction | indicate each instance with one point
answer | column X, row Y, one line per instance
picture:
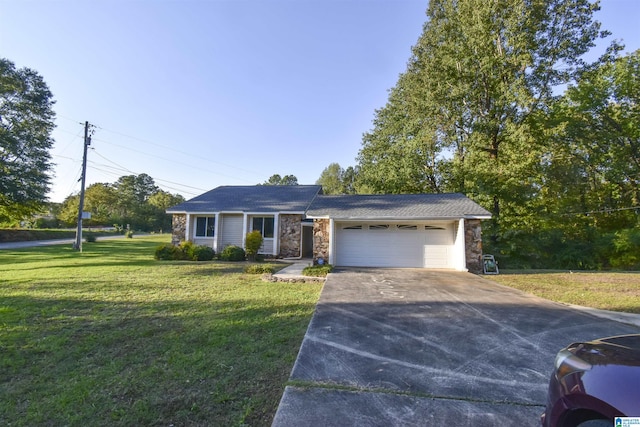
column 321, row 240
column 473, row 245
column 178, row 228
column 290, row 235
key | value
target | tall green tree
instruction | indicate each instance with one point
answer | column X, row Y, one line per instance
column 68, row 211
column 26, row 123
column 594, row 164
column 461, row 116
column 100, row 200
column 331, row 179
column 402, row 154
column 276, row 179
column 133, row 192
column 136, row 188
column 336, row 180
column 132, row 199
column 350, row 181
column 160, row 201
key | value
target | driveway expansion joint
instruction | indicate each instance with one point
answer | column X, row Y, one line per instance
column 308, row 385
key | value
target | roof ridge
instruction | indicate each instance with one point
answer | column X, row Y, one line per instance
column 267, row 186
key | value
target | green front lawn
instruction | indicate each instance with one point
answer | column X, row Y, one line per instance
column 113, row 337
column 615, row 291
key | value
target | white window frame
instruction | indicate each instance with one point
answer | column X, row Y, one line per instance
column 208, row 226
column 263, row 217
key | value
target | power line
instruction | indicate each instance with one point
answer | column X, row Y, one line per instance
column 65, row 157
column 76, row 135
column 191, row 166
column 75, row 180
column 605, row 211
column 179, row 151
column 147, row 154
column 112, row 162
column 180, row 190
column 117, row 173
column 121, row 169
column 155, row 179
column 170, row 148
column 159, row 181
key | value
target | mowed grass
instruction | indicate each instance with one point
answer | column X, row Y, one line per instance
column 111, row 337
column 615, row 291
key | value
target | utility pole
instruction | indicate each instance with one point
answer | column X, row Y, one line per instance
column 87, row 141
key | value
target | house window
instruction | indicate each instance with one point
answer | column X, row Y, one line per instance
column 205, row 226
column 264, row 225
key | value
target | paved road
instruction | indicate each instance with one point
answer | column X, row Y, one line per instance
column 36, row 243
column 409, row 347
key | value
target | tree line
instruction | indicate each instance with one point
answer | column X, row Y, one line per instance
column 497, row 102
column 26, row 123
column 133, row 201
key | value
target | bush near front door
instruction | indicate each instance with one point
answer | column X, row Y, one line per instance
column 253, row 243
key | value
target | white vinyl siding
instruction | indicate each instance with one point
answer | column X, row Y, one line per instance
column 232, row 233
column 406, row 244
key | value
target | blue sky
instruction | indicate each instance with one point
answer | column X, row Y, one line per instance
column 202, row 93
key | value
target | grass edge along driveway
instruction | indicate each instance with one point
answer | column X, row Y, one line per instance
column 111, row 336
column 613, row 291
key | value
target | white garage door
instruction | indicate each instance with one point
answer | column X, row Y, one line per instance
column 394, row 245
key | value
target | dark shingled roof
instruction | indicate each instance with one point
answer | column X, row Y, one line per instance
column 251, row 198
column 382, row 206
column 308, row 198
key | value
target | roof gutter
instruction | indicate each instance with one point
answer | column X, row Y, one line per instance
column 395, row 218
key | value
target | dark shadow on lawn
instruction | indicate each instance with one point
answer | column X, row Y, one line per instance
column 185, row 363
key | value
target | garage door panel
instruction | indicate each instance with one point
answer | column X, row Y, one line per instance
column 437, row 256
column 438, row 237
column 379, row 248
column 393, row 246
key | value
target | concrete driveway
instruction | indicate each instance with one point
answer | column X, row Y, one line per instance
column 409, row 347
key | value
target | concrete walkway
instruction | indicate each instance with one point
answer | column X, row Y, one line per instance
column 294, row 271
